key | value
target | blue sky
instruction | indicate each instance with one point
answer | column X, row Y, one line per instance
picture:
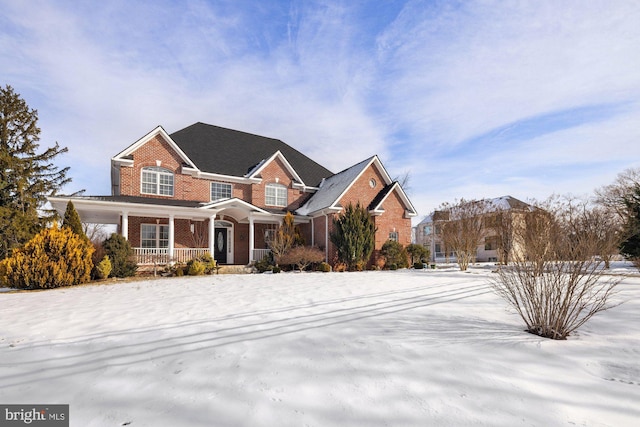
column 473, row 99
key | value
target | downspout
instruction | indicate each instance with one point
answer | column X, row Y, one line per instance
column 326, row 238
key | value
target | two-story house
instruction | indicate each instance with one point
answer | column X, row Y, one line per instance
column 210, row 189
column 498, row 231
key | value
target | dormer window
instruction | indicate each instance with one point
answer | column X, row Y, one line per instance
column 157, row 180
column 276, row 195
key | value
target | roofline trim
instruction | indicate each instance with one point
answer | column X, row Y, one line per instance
column 158, row 130
column 275, row 155
column 410, row 212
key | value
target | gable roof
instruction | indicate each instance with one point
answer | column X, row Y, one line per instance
column 225, row 151
column 333, row 188
column 496, row 204
column 376, row 203
column 125, row 155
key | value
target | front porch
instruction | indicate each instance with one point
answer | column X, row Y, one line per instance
column 161, row 256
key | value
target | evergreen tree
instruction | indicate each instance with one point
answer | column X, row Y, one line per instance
column 72, row 220
column 120, row 253
column 630, row 247
column 27, row 176
column 354, row 236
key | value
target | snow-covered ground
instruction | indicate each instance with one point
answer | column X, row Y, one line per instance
column 403, row 348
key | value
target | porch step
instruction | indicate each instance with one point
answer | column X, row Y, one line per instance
column 235, row 269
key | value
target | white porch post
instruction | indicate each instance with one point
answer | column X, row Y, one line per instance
column 172, row 234
column 251, row 238
column 125, row 225
column 212, row 232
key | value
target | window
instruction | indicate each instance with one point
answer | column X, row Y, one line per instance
column 426, row 230
column 154, row 236
column 276, row 195
column 220, row 190
column 491, row 243
column 269, row 235
column 156, row 180
column 393, row 236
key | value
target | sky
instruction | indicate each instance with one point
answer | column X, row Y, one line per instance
column 470, row 99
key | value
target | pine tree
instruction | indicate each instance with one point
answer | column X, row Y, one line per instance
column 72, row 220
column 354, row 236
column 27, row 176
column 630, row 247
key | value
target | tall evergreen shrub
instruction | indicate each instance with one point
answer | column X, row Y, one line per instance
column 354, row 236
column 120, row 253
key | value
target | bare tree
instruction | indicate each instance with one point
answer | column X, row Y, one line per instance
column 464, row 230
column 614, row 196
column 500, row 224
column 96, row 233
column 555, row 283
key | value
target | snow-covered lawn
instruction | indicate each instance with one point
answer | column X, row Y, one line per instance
column 403, row 348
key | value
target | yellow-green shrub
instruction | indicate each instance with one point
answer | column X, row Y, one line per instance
column 103, row 269
column 54, row 257
column 195, row 268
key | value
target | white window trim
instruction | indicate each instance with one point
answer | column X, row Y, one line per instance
column 158, row 171
column 220, row 183
column 278, row 188
column 158, row 228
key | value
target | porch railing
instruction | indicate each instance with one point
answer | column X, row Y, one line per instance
column 161, row 255
column 259, row 254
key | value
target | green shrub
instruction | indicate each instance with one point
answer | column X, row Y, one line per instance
column 276, row 269
column 418, row 265
column 324, row 267
column 195, row 268
column 417, row 253
column 394, row 254
column 103, row 268
column 120, row 253
column 54, row 257
column 265, row 264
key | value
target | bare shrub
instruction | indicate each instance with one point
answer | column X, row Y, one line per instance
column 302, row 257
column 554, row 282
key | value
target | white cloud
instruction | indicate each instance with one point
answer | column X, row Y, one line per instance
column 427, row 91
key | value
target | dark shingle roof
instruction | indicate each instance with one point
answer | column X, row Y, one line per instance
column 230, row 152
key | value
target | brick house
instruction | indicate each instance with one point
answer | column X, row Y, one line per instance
column 207, row 189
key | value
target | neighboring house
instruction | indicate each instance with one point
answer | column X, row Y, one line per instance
column 207, row 189
column 428, row 231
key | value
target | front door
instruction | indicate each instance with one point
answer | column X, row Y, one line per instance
column 220, row 252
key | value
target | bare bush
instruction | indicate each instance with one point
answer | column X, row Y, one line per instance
column 302, row 257
column 554, row 282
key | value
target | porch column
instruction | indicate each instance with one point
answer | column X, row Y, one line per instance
column 125, row 225
column 212, row 232
column 172, row 235
column 251, row 237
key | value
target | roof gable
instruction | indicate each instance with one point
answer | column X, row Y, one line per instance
column 394, row 187
column 255, row 172
column 230, row 152
column 124, row 155
column 336, row 186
